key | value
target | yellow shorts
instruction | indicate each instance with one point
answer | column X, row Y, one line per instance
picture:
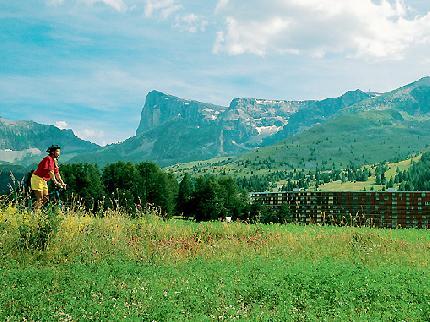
column 38, row 184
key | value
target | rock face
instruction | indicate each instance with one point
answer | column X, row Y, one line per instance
column 175, row 130
column 161, row 108
column 25, row 141
column 248, row 121
column 317, row 112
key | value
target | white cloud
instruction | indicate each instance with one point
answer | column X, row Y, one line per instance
column 165, row 8
column 61, row 125
column 118, row 5
column 92, row 135
column 251, row 37
column 221, row 4
column 190, row 23
column 364, row 28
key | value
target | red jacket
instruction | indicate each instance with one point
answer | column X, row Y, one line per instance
column 45, row 166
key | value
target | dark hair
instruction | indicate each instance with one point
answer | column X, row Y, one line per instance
column 53, row 148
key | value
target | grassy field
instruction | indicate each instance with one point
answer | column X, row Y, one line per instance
column 402, row 165
column 223, row 166
column 371, row 183
column 77, row 267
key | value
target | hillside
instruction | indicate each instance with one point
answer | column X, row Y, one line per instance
column 389, row 127
column 24, row 142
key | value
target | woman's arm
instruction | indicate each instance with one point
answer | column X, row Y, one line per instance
column 58, row 175
column 54, row 179
column 60, row 180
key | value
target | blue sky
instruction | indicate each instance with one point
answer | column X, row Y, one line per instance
column 88, row 64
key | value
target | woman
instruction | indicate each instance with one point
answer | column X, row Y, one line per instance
column 46, row 170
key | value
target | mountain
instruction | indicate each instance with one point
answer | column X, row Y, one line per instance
column 175, row 130
column 248, row 121
column 171, row 130
column 161, row 108
column 413, row 99
column 386, row 127
column 317, row 112
column 24, row 142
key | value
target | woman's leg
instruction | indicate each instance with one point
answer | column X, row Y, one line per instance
column 40, row 189
column 45, row 197
column 39, row 199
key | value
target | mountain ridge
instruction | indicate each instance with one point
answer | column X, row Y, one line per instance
column 175, row 130
column 389, row 126
column 23, row 142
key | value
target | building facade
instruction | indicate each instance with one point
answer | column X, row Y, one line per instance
column 407, row 209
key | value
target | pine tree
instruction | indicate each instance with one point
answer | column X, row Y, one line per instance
column 186, row 190
column 206, row 199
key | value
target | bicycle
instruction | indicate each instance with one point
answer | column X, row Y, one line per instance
column 54, row 199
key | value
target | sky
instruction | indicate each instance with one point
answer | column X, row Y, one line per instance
column 87, row 65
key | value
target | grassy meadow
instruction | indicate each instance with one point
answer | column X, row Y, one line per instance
column 219, row 166
column 73, row 266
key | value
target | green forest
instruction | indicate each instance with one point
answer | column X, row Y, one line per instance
column 133, row 188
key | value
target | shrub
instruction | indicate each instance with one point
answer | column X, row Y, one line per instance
column 38, row 228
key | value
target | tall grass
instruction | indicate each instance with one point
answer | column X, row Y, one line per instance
column 56, row 237
column 71, row 266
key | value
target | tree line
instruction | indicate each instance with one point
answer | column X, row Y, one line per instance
column 417, row 177
column 133, row 187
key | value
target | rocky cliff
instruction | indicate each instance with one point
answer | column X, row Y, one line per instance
column 160, row 108
column 175, row 130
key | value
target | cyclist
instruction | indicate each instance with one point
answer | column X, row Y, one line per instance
column 46, row 170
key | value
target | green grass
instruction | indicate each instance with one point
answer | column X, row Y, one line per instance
column 117, row 268
column 371, row 183
column 402, row 165
column 351, row 186
column 199, row 290
column 222, row 165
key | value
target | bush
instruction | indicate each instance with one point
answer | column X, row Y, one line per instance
column 279, row 215
column 260, row 213
column 37, row 229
